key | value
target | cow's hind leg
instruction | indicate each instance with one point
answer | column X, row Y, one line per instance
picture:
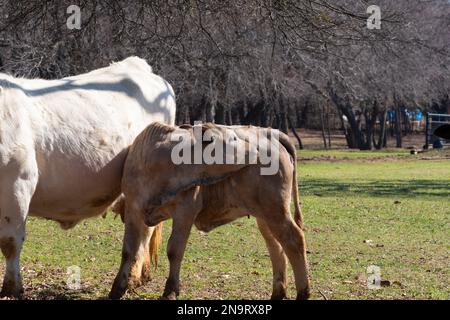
column 292, row 239
column 14, row 204
column 135, row 266
column 279, row 262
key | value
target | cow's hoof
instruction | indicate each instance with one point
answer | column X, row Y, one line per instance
column 170, row 296
column 304, row 294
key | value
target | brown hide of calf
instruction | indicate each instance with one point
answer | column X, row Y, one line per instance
column 155, row 186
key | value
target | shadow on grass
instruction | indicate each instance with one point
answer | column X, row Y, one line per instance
column 383, row 188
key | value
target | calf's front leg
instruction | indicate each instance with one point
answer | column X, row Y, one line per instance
column 188, row 205
column 135, row 266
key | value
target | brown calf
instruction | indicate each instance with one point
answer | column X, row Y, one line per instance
column 208, row 196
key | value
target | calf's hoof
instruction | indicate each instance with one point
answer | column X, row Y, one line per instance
column 278, row 296
column 304, row 294
column 170, row 296
column 115, row 295
column 117, row 291
column 171, row 290
column 279, row 291
column 11, row 290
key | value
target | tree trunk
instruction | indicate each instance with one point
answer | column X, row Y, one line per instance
column 398, row 127
column 322, row 125
column 229, row 118
column 187, row 115
column 447, row 103
column 304, row 115
column 282, row 116
column 370, row 117
column 203, row 108
column 299, row 119
column 210, row 107
column 235, row 117
column 344, row 128
column 294, row 131
column 266, row 115
column 220, row 114
column 382, row 135
column 406, row 124
column 328, row 127
column 353, row 131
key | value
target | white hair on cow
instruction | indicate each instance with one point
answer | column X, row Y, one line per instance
column 134, row 62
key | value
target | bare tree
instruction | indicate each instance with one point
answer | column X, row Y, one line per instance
column 255, row 62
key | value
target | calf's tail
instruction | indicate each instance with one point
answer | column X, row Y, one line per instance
column 286, row 142
column 155, row 243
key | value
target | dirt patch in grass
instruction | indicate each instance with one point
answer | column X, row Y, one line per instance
column 346, row 155
column 312, row 139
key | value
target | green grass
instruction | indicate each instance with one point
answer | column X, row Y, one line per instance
column 400, row 203
column 402, row 206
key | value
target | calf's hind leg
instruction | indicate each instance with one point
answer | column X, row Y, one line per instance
column 278, row 259
column 292, row 239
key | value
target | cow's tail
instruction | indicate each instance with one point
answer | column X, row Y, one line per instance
column 155, row 243
column 286, row 142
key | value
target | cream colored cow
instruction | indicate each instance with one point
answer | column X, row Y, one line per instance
column 63, row 144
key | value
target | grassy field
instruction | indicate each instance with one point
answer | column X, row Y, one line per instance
column 387, row 209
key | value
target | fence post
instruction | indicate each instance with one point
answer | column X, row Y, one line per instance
column 427, row 128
